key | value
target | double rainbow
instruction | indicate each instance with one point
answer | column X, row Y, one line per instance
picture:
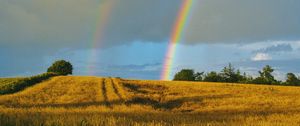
column 176, row 37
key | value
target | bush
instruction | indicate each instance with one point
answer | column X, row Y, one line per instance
column 61, row 67
column 213, row 77
column 185, row 75
column 231, row 75
column 266, row 77
column 291, row 79
column 26, row 82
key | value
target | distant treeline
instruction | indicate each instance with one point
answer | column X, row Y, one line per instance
column 230, row 75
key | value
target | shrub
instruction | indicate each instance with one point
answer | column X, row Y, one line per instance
column 61, row 67
column 292, row 79
column 266, row 76
column 185, row 75
column 21, row 84
column 213, row 77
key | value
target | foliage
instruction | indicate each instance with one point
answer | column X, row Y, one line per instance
column 292, row 80
column 15, row 85
column 230, row 75
column 61, row 67
column 185, row 75
column 199, row 76
column 213, row 77
column 266, row 76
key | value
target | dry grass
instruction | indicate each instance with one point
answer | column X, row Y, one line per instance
column 110, row 101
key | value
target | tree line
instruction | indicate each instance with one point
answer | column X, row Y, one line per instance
column 231, row 75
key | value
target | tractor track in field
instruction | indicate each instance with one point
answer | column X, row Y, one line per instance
column 116, row 91
column 104, row 92
column 110, row 89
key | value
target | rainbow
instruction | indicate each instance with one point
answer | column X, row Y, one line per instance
column 105, row 10
column 176, row 36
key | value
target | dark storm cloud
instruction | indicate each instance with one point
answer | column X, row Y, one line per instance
column 71, row 23
column 244, row 21
column 276, row 48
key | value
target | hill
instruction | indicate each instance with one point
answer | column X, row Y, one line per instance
column 72, row 100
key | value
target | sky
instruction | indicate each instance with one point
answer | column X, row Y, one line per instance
column 129, row 38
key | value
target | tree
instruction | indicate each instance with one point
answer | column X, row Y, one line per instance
column 229, row 74
column 185, row 75
column 213, row 77
column 61, row 67
column 199, row 76
column 245, row 78
column 291, row 79
column 266, row 76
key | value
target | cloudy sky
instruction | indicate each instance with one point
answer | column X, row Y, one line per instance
column 129, row 38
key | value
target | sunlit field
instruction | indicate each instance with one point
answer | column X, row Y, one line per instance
column 110, row 101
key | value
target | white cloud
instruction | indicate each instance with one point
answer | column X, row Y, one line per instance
column 261, row 57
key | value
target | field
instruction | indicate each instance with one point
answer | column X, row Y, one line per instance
column 72, row 100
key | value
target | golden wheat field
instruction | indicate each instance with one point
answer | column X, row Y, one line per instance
column 72, row 100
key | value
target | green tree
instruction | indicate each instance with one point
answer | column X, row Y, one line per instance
column 229, row 74
column 245, row 78
column 266, row 76
column 291, row 79
column 185, row 75
column 61, row 67
column 213, row 77
column 241, row 78
column 199, row 76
